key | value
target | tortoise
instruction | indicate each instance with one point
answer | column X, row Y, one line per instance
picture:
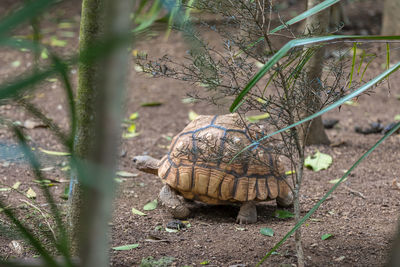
column 198, row 167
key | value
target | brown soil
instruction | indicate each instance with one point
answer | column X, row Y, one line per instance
column 361, row 215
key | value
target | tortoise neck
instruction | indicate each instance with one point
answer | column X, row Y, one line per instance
column 151, row 166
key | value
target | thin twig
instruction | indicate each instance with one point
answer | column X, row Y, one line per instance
column 43, row 215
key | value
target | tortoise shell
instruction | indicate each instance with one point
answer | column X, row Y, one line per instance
column 198, row 163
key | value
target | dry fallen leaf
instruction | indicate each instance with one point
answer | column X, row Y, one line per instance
column 396, row 184
column 16, row 247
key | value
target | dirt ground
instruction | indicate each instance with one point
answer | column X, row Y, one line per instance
column 361, row 215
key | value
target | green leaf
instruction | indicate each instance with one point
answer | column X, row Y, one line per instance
column 151, row 205
column 351, row 103
column 30, row 193
column 326, row 236
column 126, row 174
column 4, row 189
column 290, row 172
column 132, row 128
column 283, row 214
column 319, row 161
column 44, row 54
column 56, row 42
column 151, row 104
column 129, row 135
column 267, row 231
column 206, row 262
column 67, row 34
column 192, row 115
column 257, row 118
column 334, row 181
column 16, row 185
column 54, row 153
column 397, row 117
column 126, row 247
column 16, row 64
column 134, row 116
column 138, row 212
column 65, row 25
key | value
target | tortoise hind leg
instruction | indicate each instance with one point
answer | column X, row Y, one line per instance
column 170, row 200
column 247, row 213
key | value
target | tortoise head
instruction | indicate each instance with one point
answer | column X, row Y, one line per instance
column 146, row 164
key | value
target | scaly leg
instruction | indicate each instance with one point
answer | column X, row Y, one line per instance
column 174, row 205
column 247, row 213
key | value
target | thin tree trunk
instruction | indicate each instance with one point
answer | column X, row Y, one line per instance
column 317, row 25
column 99, row 101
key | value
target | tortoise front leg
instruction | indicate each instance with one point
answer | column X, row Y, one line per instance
column 174, row 205
column 247, row 213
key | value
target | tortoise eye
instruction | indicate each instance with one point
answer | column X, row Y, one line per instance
column 134, row 160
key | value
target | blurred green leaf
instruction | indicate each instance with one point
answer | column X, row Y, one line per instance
column 132, row 128
column 126, row 174
column 192, row 115
column 16, row 64
column 318, row 161
column 54, row 153
column 206, row 262
column 134, row 116
column 334, row 181
column 267, row 231
column 126, row 247
column 326, row 236
column 257, row 118
column 16, row 185
column 30, row 193
column 283, row 214
column 138, row 212
column 129, row 135
column 56, row 42
column 397, row 117
column 65, row 25
column 151, row 205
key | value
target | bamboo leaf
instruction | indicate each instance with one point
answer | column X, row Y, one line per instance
column 353, row 63
column 328, row 108
column 295, row 43
column 309, row 12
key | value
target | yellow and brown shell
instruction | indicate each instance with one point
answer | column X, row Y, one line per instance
column 198, row 164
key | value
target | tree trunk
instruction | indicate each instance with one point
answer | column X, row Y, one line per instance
column 99, row 102
column 317, row 25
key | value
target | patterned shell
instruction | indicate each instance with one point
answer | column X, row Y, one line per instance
column 198, row 163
